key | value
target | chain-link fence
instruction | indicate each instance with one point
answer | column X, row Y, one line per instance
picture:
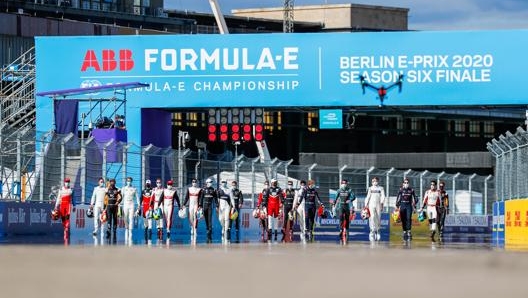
column 511, row 164
column 84, row 161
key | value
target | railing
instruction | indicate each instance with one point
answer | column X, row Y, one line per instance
column 17, row 93
column 511, row 164
column 84, row 161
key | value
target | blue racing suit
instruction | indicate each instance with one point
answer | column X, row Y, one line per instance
column 406, row 201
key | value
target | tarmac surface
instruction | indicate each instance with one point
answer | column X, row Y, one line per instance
column 263, row 270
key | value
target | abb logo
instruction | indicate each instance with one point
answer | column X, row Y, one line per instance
column 108, row 60
column 245, row 220
column 80, row 220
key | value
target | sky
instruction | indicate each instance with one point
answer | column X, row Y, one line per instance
column 423, row 14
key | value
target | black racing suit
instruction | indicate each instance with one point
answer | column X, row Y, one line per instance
column 406, row 201
column 287, row 206
column 311, row 199
column 238, row 198
column 344, row 197
column 114, row 198
column 443, row 210
column 208, row 198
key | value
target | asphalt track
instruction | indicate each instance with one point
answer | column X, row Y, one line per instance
column 358, row 269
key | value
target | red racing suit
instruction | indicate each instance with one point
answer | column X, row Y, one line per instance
column 63, row 205
column 275, row 196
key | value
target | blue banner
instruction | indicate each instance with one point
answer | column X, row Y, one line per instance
column 498, row 229
column 285, row 70
column 328, row 229
column 305, row 69
column 27, row 219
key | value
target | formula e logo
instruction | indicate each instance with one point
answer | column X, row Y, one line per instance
column 107, row 59
column 91, row 83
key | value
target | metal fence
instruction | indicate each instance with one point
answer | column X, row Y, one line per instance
column 85, row 160
column 511, row 164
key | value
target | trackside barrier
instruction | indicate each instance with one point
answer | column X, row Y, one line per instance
column 498, row 223
column 27, row 219
column 325, row 230
column 516, row 222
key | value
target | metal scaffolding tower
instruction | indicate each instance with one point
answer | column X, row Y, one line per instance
column 287, row 25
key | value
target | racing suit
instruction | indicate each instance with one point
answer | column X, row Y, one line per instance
column 431, row 202
column 443, row 210
column 263, row 220
column 275, row 196
column 157, row 201
column 287, row 206
column 238, row 199
column 301, row 218
column 114, row 199
column 374, row 201
column 406, row 202
column 311, row 201
column 97, row 203
column 208, row 200
column 170, row 195
column 130, row 198
column 146, row 210
column 191, row 197
column 225, row 202
column 344, row 197
column 64, row 205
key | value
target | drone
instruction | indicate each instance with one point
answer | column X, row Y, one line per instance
column 382, row 91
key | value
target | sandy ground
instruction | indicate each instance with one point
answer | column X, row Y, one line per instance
column 261, row 270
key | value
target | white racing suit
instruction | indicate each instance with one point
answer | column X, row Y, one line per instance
column 130, row 198
column 157, row 202
column 170, row 196
column 374, row 201
column 191, row 198
column 225, row 201
column 97, row 201
column 431, row 202
column 300, row 210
